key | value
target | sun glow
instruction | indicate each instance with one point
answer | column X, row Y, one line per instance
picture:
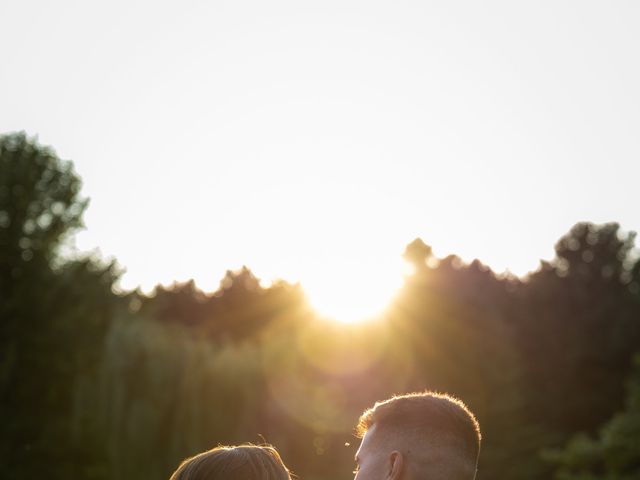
column 351, row 300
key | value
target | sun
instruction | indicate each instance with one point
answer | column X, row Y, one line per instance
column 352, row 301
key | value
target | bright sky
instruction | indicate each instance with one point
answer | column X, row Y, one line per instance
column 312, row 141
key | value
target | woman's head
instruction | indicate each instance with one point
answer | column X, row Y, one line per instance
column 244, row 462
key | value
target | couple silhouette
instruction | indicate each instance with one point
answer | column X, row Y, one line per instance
column 407, row 437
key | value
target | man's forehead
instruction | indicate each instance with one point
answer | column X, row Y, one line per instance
column 375, row 441
column 366, row 443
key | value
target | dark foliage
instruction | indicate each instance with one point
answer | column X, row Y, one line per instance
column 615, row 452
column 52, row 320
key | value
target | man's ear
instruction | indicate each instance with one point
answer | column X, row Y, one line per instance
column 396, row 465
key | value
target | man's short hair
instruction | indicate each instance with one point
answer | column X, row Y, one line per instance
column 437, row 418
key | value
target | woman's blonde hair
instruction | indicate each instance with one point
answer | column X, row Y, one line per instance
column 242, row 462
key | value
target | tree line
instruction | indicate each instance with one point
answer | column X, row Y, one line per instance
column 100, row 384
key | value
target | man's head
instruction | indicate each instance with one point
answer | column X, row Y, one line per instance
column 415, row 436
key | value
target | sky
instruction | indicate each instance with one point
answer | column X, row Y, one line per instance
column 313, row 140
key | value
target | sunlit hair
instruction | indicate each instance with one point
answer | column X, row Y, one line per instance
column 242, row 462
column 438, row 417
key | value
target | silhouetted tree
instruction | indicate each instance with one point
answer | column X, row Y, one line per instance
column 181, row 303
column 52, row 316
column 417, row 254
